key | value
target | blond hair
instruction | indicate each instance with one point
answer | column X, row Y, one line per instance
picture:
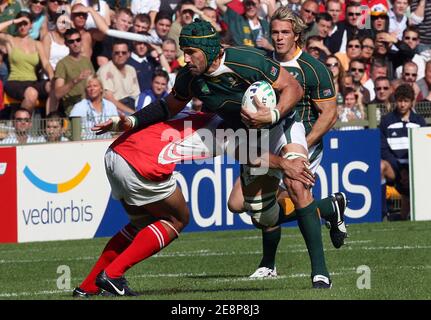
column 298, row 26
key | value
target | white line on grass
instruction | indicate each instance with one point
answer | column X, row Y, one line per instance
column 207, row 253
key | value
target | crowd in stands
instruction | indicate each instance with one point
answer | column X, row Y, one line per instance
column 58, row 58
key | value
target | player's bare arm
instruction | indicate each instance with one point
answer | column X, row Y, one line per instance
column 327, row 118
column 153, row 113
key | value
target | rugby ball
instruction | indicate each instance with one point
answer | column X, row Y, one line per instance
column 265, row 93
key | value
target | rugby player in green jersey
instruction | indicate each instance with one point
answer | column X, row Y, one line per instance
column 219, row 77
column 313, row 116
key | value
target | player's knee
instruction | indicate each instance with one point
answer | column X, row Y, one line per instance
column 264, row 210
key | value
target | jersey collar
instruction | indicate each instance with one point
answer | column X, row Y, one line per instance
column 221, row 69
column 291, row 62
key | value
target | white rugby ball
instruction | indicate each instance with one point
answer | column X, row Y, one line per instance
column 265, row 93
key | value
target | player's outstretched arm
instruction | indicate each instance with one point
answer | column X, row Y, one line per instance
column 153, row 113
column 117, row 124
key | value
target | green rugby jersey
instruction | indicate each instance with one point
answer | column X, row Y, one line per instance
column 221, row 92
column 316, row 80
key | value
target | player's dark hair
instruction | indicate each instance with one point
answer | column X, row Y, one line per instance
column 404, row 91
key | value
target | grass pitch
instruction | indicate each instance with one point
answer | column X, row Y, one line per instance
column 216, row 265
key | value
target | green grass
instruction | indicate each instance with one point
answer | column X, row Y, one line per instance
column 216, row 265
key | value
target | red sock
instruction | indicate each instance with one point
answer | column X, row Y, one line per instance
column 113, row 249
column 147, row 242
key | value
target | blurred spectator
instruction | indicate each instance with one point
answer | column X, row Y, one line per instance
column 162, row 25
column 357, row 70
column 425, row 83
column 315, row 47
column 122, row 22
column 378, row 69
column 309, row 11
column 379, row 18
column 184, row 16
column 157, row 91
column 272, row 5
column 395, row 144
column 409, row 76
column 93, row 108
column 353, row 51
column 145, row 61
column 334, row 8
column 353, row 109
column 398, row 18
column 79, row 18
column 411, row 38
column 36, row 8
column 421, row 17
column 53, row 42
column 347, row 82
column 334, row 65
column 25, row 57
column 53, row 10
column 149, row 7
column 247, row 29
column 54, row 128
column 22, row 125
column 100, row 6
column 169, row 48
column 141, row 23
column 323, row 28
column 119, row 79
column 9, row 9
column 70, row 72
column 348, row 29
column 393, row 58
column 383, row 94
column 367, row 51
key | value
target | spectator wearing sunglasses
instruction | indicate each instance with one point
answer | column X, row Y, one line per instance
column 79, row 20
column 37, row 10
column 421, row 17
column 309, row 11
column 409, row 76
column 348, row 29
column 411, row 38
column 119, row 79
column 357, row 70
column 379, row 18
column 353, row 51
column 393, row 58
column 71, row 71
column 100, row 6
column 383, row 95
column 22, row 126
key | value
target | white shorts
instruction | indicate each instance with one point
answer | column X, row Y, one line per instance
column 277, row 140
column 295, row 133
column 130, row 186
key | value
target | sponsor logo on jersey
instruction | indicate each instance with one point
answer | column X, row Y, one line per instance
column 273, row 71
column 327, row 92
